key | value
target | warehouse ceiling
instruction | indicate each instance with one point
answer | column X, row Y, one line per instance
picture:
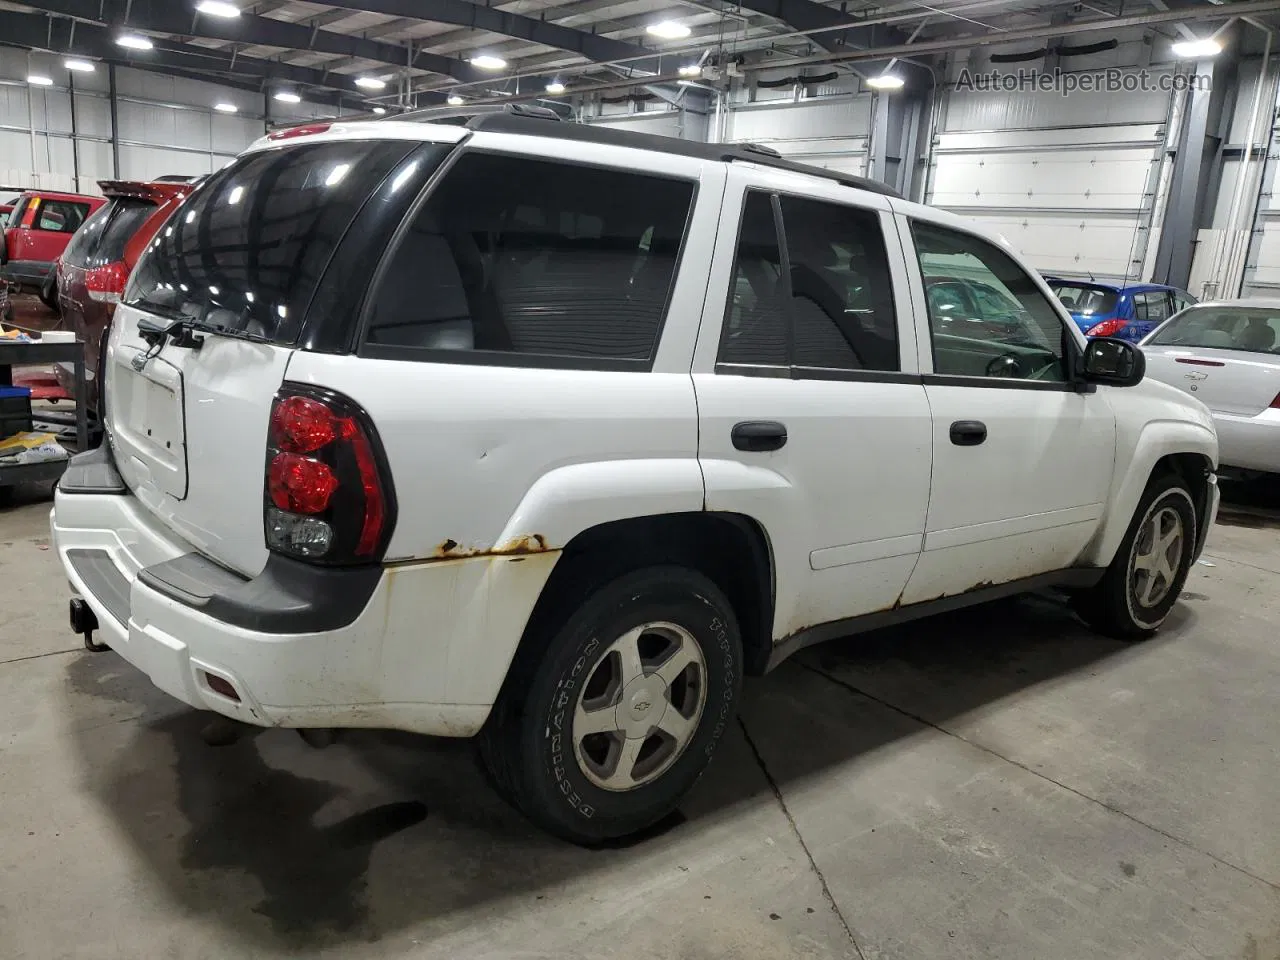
column 399, row 54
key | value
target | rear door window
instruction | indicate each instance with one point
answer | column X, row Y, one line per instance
column 514, row 256
column 246, row 251
column 61, row 216
column 841, row 292
column 1152, row 306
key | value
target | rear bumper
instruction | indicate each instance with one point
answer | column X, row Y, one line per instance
column 415, row 655
column 1249, row 443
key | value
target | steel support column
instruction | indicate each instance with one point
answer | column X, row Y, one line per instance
column 1195, row 154
column 895, row 130
column 113, row 103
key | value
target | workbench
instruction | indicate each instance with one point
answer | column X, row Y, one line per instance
column 15, row 354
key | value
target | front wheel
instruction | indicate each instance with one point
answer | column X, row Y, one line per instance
column 1146, row 576
column 604, row 731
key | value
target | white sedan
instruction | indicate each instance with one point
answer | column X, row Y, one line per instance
column 1227, row 354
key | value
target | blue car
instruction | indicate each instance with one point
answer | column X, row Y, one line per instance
column 1121, row 309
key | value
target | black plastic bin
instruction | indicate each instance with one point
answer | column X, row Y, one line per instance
column 15, row 411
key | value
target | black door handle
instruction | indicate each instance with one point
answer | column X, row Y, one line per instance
column 759, row 435
column 968, row 433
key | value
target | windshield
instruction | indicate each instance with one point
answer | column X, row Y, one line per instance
column 246, row 251
column 1084, row 299
column 1222, row 328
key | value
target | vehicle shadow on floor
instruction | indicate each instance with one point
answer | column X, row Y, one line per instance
column 292, row 848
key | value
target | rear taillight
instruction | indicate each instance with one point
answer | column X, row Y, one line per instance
column 328, row 491
column 106, row 283
column 1275, row 404
column 1107, row 328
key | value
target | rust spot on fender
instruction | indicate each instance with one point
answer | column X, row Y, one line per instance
column 524, row 546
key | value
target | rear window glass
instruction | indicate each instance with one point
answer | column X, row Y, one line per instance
column 104, row 235
column 1084, row 299
column 247, row 249
column 1256, row 331
column 129, row 216
column 86, row 239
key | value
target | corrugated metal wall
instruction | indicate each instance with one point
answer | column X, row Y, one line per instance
column 1069, row 180
column 1243, row 254
column 166, row 125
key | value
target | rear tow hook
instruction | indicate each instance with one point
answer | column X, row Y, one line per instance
column 84, row 622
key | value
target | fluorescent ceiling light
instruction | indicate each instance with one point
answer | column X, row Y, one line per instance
column 555, row 86
column 225, row 107
column 668, row 30
column 379, row 110
column 40, row 80
column 216, row 8
column 1188, row 49
column 79, row 66
column 371, row 83
column 287, row 96
column 455, row 101
column 132, row 41
column 488, row 62
column 690, row 70
column 886, row 81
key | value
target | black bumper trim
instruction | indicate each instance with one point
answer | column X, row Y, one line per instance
column 93, row 471
column 287, row 597
column 103, row 581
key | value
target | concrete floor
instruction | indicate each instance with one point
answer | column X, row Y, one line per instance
column 992, row 784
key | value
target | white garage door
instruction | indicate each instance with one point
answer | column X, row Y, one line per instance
column 828, row 133
column 1069, row 181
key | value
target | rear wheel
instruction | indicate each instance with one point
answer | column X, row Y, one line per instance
column 1143, row 582
column 604, row 732
column 49, row 291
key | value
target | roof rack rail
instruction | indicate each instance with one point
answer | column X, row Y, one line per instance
column 509, row 121
column 462, row 114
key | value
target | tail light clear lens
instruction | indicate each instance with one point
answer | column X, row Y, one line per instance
column 1107, row 328
column 106, row 284
column 328, row 491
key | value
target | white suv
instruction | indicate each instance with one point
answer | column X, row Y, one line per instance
column 550, row 433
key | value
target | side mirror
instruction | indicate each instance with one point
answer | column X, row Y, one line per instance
column 1115, row 362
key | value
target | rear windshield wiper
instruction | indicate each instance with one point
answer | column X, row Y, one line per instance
column 182, row 332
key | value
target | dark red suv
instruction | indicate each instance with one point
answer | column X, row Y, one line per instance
column 95, row 267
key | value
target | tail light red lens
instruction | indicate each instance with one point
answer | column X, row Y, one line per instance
column 300, row 484
column 328, row 491
column 301, row 425
column 1107, row 328
column 1275, row 404
column 106, row 284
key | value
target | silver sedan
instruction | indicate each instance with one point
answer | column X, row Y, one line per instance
column 1227, row 354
